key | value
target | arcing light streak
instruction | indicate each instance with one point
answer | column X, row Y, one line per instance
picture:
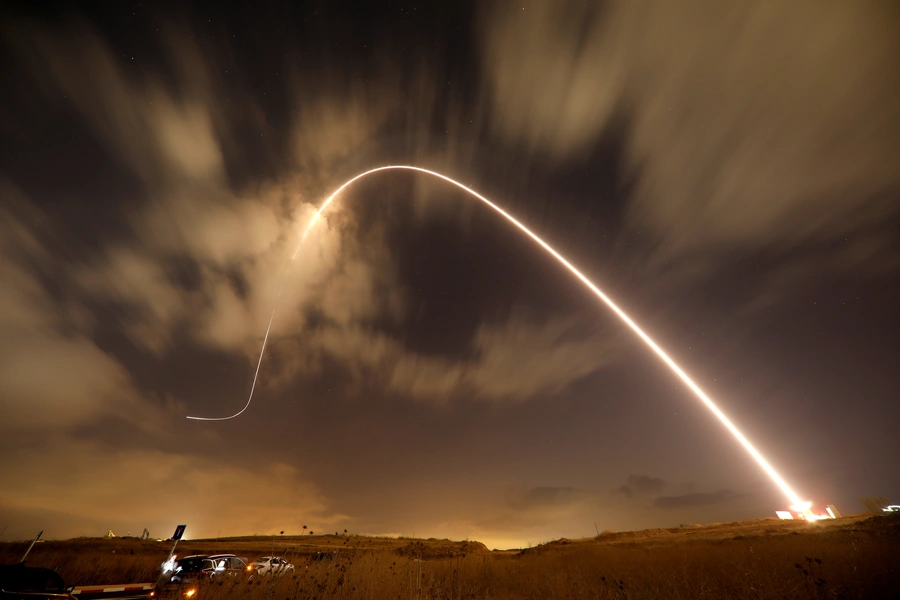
column 255, row 375
column 794, row 498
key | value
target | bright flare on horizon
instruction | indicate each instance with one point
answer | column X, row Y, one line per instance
column 776, row 478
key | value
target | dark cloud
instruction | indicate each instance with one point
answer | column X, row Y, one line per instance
column 544, row 497
column 641, row 485
column 696, row 499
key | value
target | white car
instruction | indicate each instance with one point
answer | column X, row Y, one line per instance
column 272, row 565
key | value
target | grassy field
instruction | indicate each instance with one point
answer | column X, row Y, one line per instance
column 844, row 558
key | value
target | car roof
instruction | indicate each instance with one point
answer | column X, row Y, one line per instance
column 19, row 578
column 209, row 556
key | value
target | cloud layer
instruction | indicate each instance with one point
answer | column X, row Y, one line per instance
column 747, row 124
column 745, row 128
column 201, row 263
column 160, row 488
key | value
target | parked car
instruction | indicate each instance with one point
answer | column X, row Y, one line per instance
column 181, row 576
column 18, row 582
column 272, row 565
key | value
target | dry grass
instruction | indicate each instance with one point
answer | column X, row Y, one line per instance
column 849, row 558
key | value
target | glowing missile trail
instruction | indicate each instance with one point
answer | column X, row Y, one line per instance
column 776, row 478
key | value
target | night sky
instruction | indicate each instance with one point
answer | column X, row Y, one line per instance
column 728, row 172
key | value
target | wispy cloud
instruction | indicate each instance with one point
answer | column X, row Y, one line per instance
column 52, row 374
column 757, row 125
column 237, row 242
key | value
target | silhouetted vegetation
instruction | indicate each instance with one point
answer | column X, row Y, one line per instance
column 849, row 559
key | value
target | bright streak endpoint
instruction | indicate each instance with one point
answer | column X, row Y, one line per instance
column 699, row 393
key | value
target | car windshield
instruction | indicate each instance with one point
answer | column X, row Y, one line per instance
column 193, row 565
